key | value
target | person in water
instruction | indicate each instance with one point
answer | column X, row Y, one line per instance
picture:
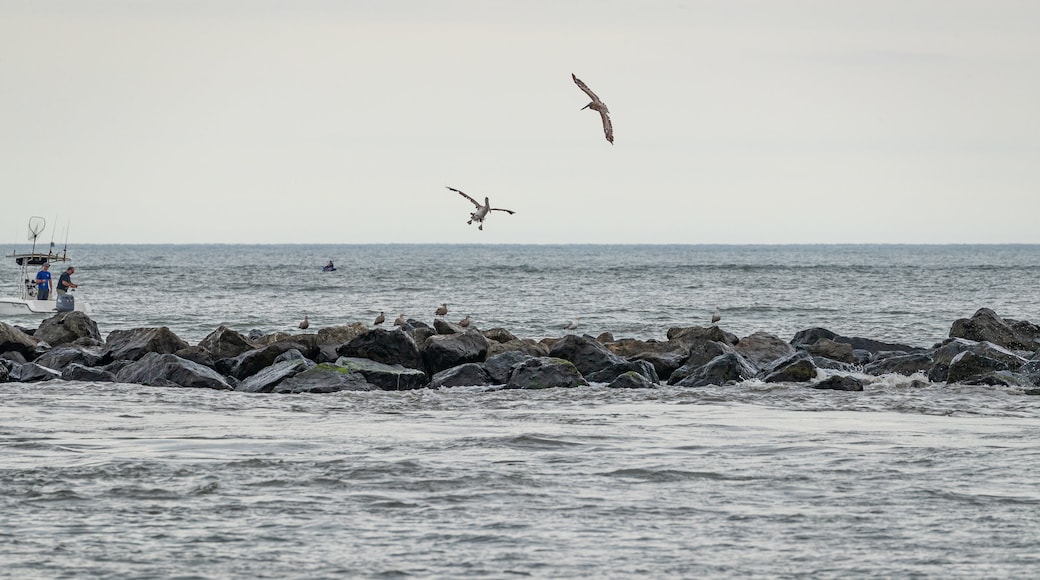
column 65, row 281
column 328, row 267
column 43, row 282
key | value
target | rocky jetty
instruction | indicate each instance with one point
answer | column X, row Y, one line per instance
column 984, row 349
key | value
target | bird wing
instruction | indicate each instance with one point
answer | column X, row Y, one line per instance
column 465, row 196
column 511, row 212
column 608, row 129
column 585, row 88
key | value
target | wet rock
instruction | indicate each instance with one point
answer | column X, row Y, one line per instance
column 762, row 348
column 632, row 380
column 985, row 325
column 385, row 346
column 796, row 367
column 500, row 366
column 465, row 375
column 700, row 356
column 135, row 343
column 903, row 364
column 545, row 373
column 523, row 345
column 635, row 348
column 605, row 337
column 944, row 355
column 226, row 343
column 696, row 335
column 337, row 335
column 444, row 351
column 725, row 368
column 827, row 348
column 169, row 370
column 78, row 372
column 62, row 356
column 288, row 364
column 808, row 337
column 499, row 335
column 324, row 378
column 840, row 383
column 67, row 327
column 587, row 354
column 31, row 372
column 444, row 327
column 249, row 363
column 384, row 376
column 968, row 365
column 14, row 340
column 664, row 363
column 608, row 374
column 5, row 370
column 197, row 354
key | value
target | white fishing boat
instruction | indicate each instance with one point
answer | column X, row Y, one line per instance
column 29, row 263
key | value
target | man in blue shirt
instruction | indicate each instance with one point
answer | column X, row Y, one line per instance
column 43, row 282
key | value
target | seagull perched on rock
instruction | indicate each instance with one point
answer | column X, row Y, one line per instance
column 442, row 310
column 380, row 318
column 715, row 316
column 482, row 210
column 464, row 323
column 598, row 106
column 400, row 320
column 305, row 323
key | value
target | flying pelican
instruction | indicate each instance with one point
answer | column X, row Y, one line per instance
column 599, row 106
column 442, row 310
column 715, row 316
column 305, row 323
column 400, row 320
column 380, row 318
column 482, row 210
column 464, row 323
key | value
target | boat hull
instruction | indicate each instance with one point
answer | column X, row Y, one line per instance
column 19, row 307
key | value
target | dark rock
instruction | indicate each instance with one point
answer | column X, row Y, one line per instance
column 499, row 335
column 823, row 362
column 903, row 364
column 135, row 343
column 664, row 363
column 78, row 372
column 586, row 353
column 545, row 373
column 444, row 327
column 719, row 371
column 827, row 348
column 810, row 336
column 796, row 367
column 969, row 365
column 420, row 334
column 384, row 376
column 465, row 375
column 700, row 356
column 635, row 348
column 523, row 345
column 604, row 338
column 67, row 327
column 337, row 335
column 169, row 370
column 762, row 348
column 14, row 340
column 288, row 364
column 31, row 372
column 632, row 380
column 249, row 363
column 15, row 357
column 694, row 335
column 608, row 374
column 5, row 370
column 1001, row 379
column 500, row 366
column 62, row 356
column 225, row 343
column 197, row 354
column 443, row 351
column 986, row 326
column 385, row 346
column 944, row 355
column 840, row 383
column 324, row 378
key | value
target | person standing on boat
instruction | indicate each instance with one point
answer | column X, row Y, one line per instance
column 43, row 282
column 65, row 280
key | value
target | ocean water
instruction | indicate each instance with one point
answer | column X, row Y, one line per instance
column 750, row 480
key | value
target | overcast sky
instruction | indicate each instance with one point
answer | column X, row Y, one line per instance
column 322, row 121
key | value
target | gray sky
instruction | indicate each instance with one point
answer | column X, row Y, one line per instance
column 321, row 121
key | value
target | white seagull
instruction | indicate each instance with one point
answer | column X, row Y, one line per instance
column 715, row 316
column 598, row 106
column 482, row 210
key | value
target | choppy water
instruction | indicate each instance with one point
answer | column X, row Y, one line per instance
column 752, row 480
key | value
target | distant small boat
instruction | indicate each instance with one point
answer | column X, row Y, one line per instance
column 330, row 267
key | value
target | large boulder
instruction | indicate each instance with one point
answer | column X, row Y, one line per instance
column 343, row 334
column 78, row 372
column 390, row 347
column 832, row 349
column 840, row 383
column 664, row 363
column 5, row 370
column 796, row 367
column 969, row 365
column 723, row 369
column 632, row 380
column 944, row 355
column 499, row 335
column 133, row 344
column 986, row 325
column 700, row 356
column 14, row 340
column 249, row 363
column 903, row 364
column 324, row 378
column 384, row 376
column 226, row 343
column 62, row 356
column 608, row 374
column 636, row 348
column 500, row 366
column 465, row 375
column 443, row 351
column 288, row 364
column 695, row 335
column 809, row 336
column 169, row 370
column 67, row 327
column 527, row 346
column 31, row 372
column 587, row 354
column 545, row 373
column 762, row 348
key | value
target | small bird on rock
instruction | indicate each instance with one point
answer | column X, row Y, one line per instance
column 380, row 319
column 464, row 323
column 400, row 320
column 715, row 316
column 442, row 310
column 305, row 323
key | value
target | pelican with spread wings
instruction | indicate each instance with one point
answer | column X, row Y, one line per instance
column 599, row 106
column 482, row 210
